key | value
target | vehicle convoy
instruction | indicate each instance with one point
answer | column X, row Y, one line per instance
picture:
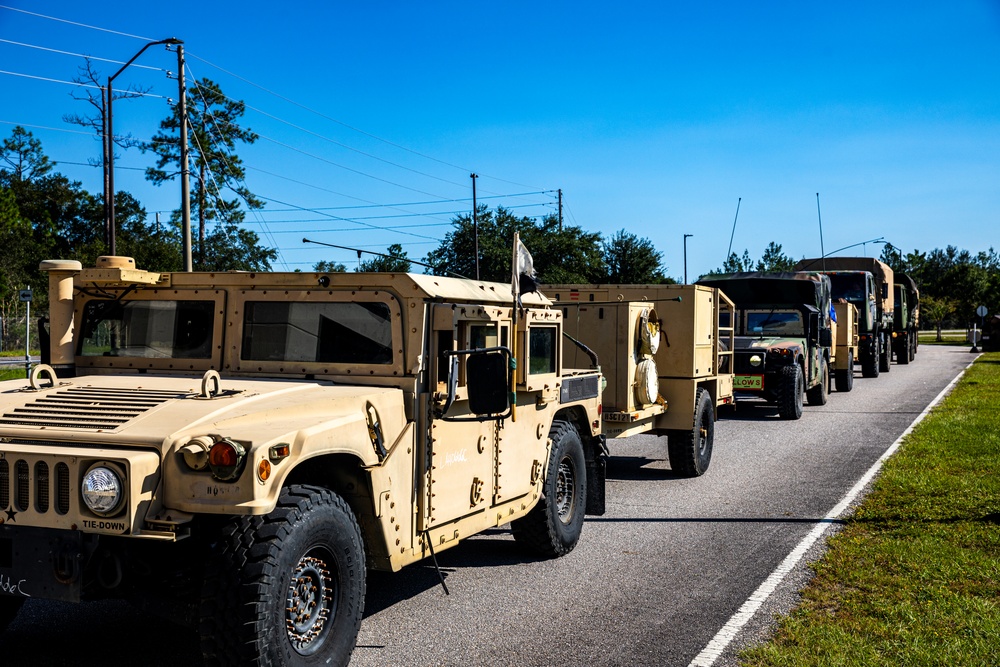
column 868, row 284
column 905, row 319
column 235, row 450
column 666, row 358
column 784, row 341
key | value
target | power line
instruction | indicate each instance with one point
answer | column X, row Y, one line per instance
column 45, row 127
column 75, row 83
column 80, row 25
column 80, row 55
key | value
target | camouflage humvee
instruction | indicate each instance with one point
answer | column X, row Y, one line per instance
column 784, row 341
column 237, row 449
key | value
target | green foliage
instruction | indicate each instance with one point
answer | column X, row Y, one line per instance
column 773, row 260
column 329, row 267
column 395, row 261
column 967, row 280
column 630, row 260
column 569, row 255
column 215, row 170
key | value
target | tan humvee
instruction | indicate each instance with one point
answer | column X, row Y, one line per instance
column 666, row 351
column 238, row 448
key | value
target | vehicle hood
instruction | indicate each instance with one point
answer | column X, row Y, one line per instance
column 765, row 342
column 148, row 410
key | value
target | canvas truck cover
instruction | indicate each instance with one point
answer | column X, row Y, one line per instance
column 883, row 274
column 754, row 289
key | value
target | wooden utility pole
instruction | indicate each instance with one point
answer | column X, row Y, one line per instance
column 560, row 210
column 475, row 221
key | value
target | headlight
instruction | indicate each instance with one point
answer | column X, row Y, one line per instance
column 755, row 360
column 102, row 490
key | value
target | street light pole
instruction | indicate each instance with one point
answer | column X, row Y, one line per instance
column 109, row 139
column 686, row 257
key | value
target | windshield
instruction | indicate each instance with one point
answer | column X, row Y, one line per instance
column 848, row 286
column 148, row 329
column 776, row 323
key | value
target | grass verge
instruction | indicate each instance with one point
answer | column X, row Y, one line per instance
column 913, row 578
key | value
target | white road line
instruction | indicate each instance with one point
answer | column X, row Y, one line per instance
column 728, row 632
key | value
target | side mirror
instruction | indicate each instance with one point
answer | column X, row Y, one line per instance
column 487, row 373
column 885, row 290
column 825, row 337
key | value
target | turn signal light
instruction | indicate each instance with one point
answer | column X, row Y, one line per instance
column 226, row 460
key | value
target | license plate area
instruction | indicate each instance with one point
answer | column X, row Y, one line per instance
column 748, row 382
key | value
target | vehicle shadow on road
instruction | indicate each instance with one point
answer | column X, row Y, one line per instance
column 491, row 548
column 636, row 468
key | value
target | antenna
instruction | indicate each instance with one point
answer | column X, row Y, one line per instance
column 730, row 251
column 822, row 253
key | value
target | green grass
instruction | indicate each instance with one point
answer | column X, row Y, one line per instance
column 947, row 338
column 913, row 579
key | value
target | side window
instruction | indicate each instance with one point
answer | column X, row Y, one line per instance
column 338, row 332
column 542, row 350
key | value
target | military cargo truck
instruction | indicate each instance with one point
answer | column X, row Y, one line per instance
column 666, row 353
column 868, row 284
column 237, row 449
column 784, row 342
column 906, row 319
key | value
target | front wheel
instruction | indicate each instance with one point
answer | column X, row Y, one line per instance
column 885, row 357
column 286, row 589
column 553, row 526
column 690, row 452
column 870, row 363
column 790, row 392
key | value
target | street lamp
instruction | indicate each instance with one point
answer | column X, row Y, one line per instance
column 686, row 257
column 110, row 150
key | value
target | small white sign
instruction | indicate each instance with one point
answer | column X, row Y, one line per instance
column 24, row 295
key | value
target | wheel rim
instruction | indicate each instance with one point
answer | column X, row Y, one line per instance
column 311, row 601
column 565, row 490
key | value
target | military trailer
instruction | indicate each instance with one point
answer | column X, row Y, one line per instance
column 665, row 351
column 784, row 342
column 868, row 284
column 237, row 449
column 905, row 319
column 845, row 338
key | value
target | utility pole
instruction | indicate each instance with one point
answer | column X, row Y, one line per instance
column 185, row 166
column 560, row 210
column 475, row 221
column 109, row 139
column 686, row 257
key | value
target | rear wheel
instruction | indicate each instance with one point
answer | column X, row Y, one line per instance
column 552, row 528
column 843, row 379
column 690, row 452
column 286, row 589
column 885, row 357
column 817, row 395
column 903, row 351
column 790, row 392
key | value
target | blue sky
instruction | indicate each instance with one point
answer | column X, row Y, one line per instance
column 656, row 118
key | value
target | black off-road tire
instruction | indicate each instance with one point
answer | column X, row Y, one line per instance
column 790, row 392
column 885, row 357
column 870, row 364
column 843, row 379
column 903, row 351
column 286, row 589
column 553, row 526
column 9, row 606
column 817, row 395
column 690, row 452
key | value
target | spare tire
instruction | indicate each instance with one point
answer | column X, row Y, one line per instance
column 647, row 384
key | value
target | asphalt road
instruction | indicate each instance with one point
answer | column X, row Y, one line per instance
column 650, row 583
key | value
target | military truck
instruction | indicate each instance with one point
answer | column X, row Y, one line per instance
column 905, row 318
column 784, row 342
column 868, row 284
column 237, row 449
column 665, row 351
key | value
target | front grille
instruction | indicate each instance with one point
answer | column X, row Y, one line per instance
column 21, row 484
column 62, row 488
column 741, row 362
column 42, row 486
column 91, row 408
column 4, row 483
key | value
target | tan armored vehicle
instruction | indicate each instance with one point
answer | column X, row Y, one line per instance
column 666, row 351
column 846, row 340
column 236, row 449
